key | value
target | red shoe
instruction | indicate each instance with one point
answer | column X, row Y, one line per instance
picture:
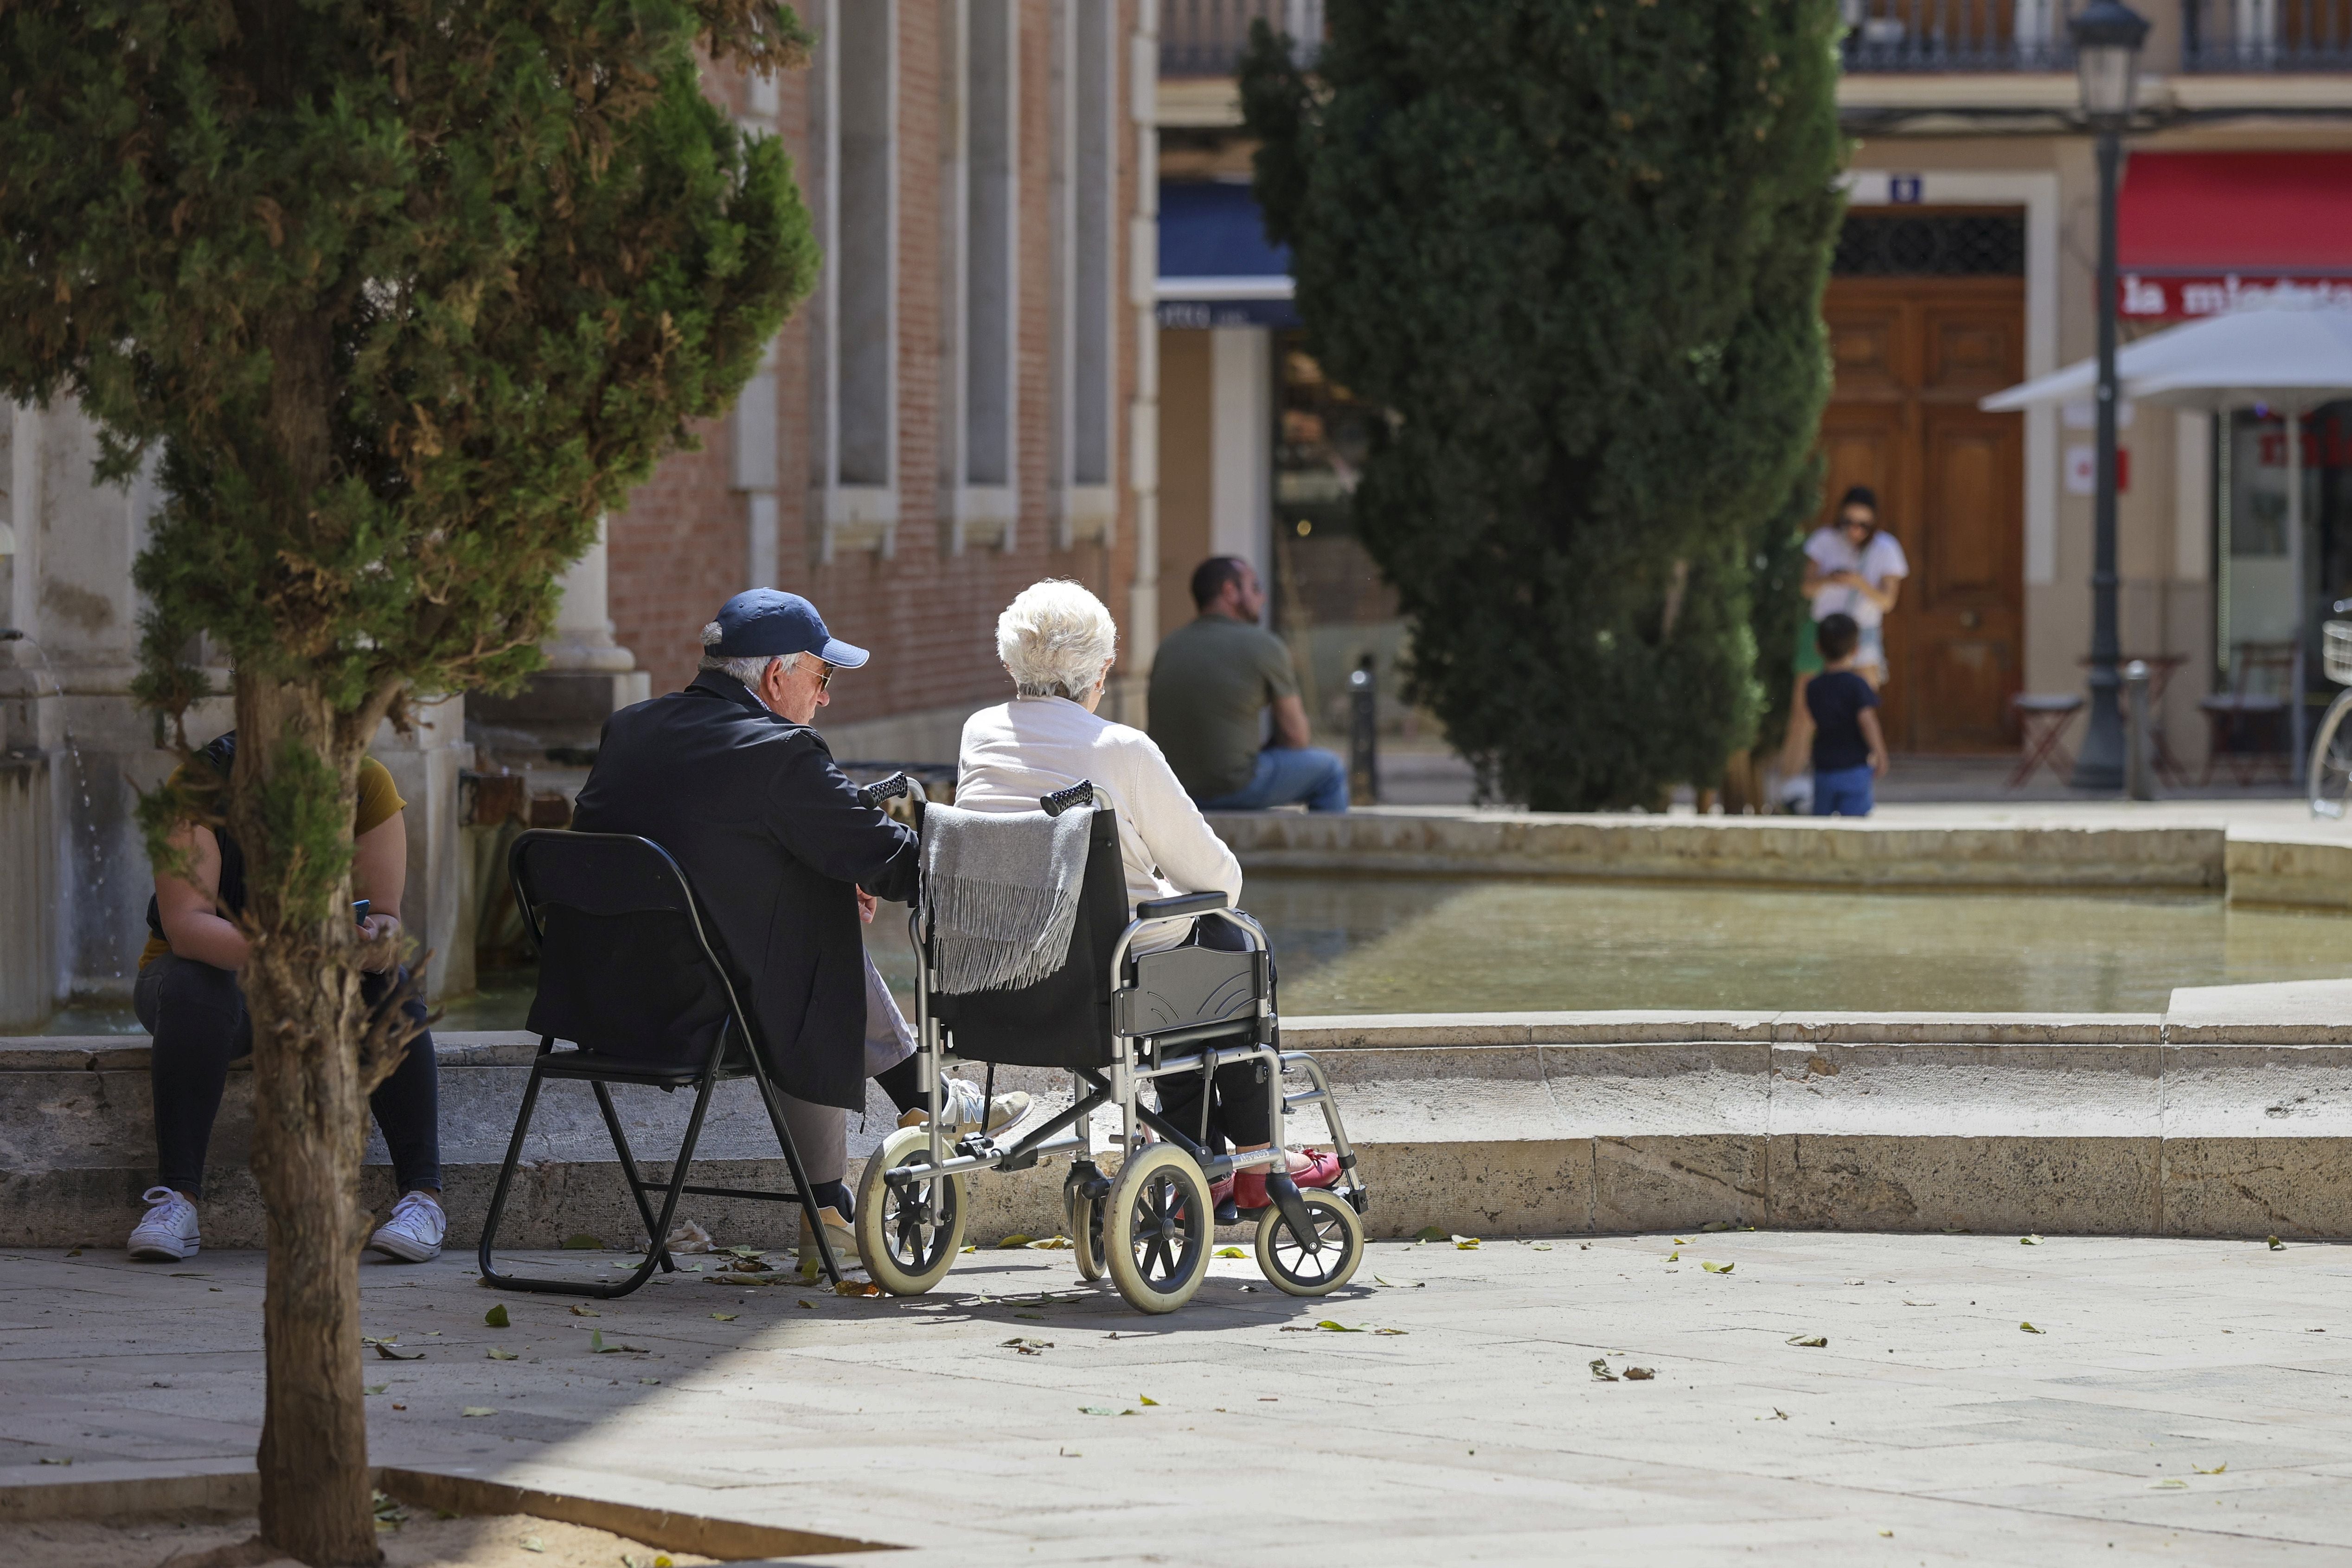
column 1249, row 1186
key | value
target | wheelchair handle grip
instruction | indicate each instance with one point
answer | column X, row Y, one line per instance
column 1081, row 793
column 890, row 788
column 1182, row 904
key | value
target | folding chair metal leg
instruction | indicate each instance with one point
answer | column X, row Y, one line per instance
column 800, row 1176
column 490, row 1275
column 505, row 1179
column 678, row 1171
column 658, row 1241
column 657, row 1226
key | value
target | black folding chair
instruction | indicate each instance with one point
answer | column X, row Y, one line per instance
column 630, row 973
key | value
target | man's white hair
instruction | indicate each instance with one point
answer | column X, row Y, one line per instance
column 1055, row 638
column 750, row 670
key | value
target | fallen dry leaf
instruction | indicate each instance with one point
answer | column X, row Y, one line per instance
column 2215, row 1470
column 1601, row 1373
column 1230, row 1252
column 497, row 1317
column 1638, row 1374
column 393, row 1352
column 477, row 1410
column 1810, row 1342
column 1718, row 1268
column 2029, row 1241
column 2276, row 1245
column 586, row 1312
column 726, row 1317
column 498, row 1354
column 2028, row 1328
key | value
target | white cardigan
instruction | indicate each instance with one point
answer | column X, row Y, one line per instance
column 1030, row 747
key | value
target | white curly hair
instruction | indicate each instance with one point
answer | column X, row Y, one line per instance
column 1056, row 639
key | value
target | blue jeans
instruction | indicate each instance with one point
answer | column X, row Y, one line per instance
column 1285, row 775
column 1843, row 792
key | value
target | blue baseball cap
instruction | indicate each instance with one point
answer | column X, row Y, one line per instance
column 764, row 622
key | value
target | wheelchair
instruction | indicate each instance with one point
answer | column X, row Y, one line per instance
column 1114, row 1021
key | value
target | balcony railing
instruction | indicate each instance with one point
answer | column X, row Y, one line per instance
column 2266, row 34
column 1958, row 36
column 1206, row 38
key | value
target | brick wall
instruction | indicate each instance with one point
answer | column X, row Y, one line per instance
column 680, row 548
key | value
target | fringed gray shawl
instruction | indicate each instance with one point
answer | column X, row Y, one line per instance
column 1000, row 893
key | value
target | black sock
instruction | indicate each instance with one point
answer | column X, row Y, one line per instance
column 904, row 1084
column 832, row 1195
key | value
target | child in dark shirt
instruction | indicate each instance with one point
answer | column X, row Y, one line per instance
column 1849, row 750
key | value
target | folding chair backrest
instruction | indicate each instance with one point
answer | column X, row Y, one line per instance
column 1062, row 1020
column 627, row 965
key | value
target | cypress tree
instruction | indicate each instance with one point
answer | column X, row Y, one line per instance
column 400, row 295
column 1577, row 252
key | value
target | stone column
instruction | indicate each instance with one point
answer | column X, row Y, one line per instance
column 424, row 764
column 588, row 674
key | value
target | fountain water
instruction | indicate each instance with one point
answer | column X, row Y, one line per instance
column 95, row 879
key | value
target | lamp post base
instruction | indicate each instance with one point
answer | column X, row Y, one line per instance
column 2099, row 764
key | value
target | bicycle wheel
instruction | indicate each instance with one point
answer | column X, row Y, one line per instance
column 2327, row 779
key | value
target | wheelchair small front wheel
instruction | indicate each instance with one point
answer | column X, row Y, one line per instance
column 1086, row 1216
column 1158, row 1224
column 908, row 1233
column 1315, row 1265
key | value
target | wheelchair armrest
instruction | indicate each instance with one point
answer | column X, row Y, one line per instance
column 1182, row 904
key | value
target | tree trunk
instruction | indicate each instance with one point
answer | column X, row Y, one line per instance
column 310, row 1129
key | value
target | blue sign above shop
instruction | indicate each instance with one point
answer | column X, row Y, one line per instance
column 1216, row 268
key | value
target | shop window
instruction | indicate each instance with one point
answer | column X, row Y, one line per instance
column 2276, row 579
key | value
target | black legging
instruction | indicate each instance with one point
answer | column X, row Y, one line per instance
column 198, row 1016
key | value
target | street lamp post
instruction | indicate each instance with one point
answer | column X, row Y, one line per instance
column 2108, row 37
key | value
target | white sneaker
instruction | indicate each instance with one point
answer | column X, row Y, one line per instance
column 1797, row 795
column 839, row 1231
column 961, row 1097
column 168, row 1234
column 414, row 1232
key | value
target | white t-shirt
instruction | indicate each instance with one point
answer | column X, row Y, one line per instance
column 1878, row 560
column 1030, row 747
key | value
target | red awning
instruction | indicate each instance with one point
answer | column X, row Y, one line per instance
column 2198, row 231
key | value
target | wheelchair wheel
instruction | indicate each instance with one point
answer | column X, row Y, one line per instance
column 1158, row 1229
column 1086, row 1215
column 1317, row 1265
column 908, row 1237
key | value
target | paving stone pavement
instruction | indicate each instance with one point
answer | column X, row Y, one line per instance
column 2187, row 1401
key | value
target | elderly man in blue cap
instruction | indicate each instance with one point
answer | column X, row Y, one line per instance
column 728, row 777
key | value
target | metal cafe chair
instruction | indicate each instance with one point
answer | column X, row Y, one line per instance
column 630, row 975
column 2042, row 721
column 2253, row 711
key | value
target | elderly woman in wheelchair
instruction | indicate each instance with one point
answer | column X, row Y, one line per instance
column 1077, row 915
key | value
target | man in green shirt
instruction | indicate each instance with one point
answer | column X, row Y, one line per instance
column 1210, row 684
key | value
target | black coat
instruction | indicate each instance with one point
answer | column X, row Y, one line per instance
column 775, row 841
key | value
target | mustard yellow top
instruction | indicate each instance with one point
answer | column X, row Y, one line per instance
column 379, row 800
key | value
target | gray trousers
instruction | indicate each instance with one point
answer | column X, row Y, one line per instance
column 820, row 1133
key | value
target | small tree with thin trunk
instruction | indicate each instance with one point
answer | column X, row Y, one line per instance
column 401, row 295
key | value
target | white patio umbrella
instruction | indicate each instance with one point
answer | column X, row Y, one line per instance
column 2283, row 351
column 2291, row 353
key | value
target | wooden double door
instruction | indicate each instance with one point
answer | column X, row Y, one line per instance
column 1912, row 356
